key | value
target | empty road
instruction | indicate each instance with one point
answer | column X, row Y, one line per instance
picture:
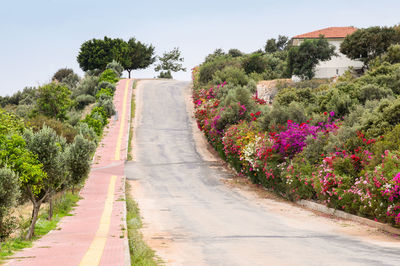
column 192, row 217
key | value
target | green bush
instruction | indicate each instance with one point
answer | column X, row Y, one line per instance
column 255, row 63
column 105, row 91
column 62, row 129
column 78, row 156
column 106, row 102
column 208, row 68
column 288, row 95
column 9, row 193
column 87, row 132
column 53, row 100
column 74, row 117
column 62, row 73
column 88, row 85
column 97, row 119
column 373, row 92
column 84, row 100
column 231, row 75
column 108, row 75
column 9, row 123
column 71, row 81
column 116, row 66
column 235, row 52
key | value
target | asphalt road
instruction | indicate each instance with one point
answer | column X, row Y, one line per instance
column 201, row 221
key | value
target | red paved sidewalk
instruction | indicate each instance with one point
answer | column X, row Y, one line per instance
column 70, row 244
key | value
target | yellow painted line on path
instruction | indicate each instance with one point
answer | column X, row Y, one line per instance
column 95, row 251
column 122, row 125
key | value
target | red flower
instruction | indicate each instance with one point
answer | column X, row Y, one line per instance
column 258, row 113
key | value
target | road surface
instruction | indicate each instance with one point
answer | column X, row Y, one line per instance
column 193, row 218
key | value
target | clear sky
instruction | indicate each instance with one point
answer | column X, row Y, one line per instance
column 39, row 37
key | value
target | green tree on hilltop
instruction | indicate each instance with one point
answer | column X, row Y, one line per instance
column 170, row 61
column 97, row 53
column 137, row 55
column 302, row 59
column 367, row 44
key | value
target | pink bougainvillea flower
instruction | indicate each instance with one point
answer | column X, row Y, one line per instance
column 332, row 113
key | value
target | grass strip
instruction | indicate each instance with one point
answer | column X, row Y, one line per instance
column 141, row 254
column 133, row 108
column 62, row 208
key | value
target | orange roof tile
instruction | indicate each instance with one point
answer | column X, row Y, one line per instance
column 331, row 32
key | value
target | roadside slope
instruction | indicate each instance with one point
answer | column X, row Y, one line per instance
column 192, row 218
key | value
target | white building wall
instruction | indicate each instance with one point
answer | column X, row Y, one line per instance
column 337, row 65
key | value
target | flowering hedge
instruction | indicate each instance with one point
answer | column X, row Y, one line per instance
column 352, row 178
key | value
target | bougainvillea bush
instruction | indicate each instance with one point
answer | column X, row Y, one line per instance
column 327, row 158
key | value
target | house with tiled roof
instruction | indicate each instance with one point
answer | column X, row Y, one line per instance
column 338, row 64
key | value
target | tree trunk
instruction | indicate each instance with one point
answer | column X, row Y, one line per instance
column 50, row 216
column 129, row 73
column 35, row 213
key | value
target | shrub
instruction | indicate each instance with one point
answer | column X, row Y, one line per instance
column 83, row 100
column 372, row 92
column 116, row 66
column 9, row 193
column 106, row 102
column 255, row 63
column 97, row 119
column 9, row 123
column 87, row 132
column 208, row 69
column 235, row 52
column 231, row 75
column 88, row 85
column 62, row 129
column 62, row 73
column 106, row 91
column 71, row 81
column 106, row 85
column 297, row 175
column 74, row 117
column 53, row 100
column 108, row 75
column 78, row 156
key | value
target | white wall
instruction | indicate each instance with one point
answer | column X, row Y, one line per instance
column 337, row 65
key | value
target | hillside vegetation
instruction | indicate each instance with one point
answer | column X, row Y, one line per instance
column 337, row 143
column 46, row 146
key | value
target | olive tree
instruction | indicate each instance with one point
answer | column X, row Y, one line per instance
column 170, row 61
column 32, row 178
column 9, row 192
column 78, row 156
column 50, row 150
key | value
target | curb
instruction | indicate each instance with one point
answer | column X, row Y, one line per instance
column 344, row 215
column 127, row 257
